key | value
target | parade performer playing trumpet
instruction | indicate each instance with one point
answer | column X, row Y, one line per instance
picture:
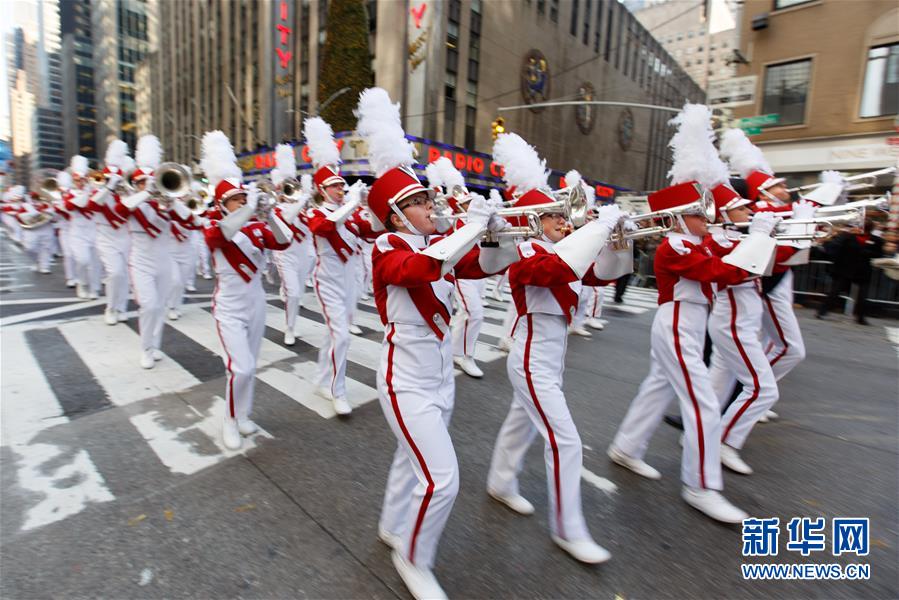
column 238, row 232
column 545, row 285
column 687, row 273
column 295, row 262
column 335, row 225
column 413, row 278
column 82, row 231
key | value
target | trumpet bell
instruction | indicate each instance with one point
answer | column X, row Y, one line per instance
column 172, row 180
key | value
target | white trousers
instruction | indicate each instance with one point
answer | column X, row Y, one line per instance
column 737, row 354
column 183, row 269
column 469, row 315
column 416, row 392
column 363, row 277
column 589, row 304
column 294, row 265
column 68, row 262
column 239, row 311
column 202, row 250
column 786, row 349
column 38, row 243
column 335, row 288
column 535, row 366
column 150, row 264
column 83, row 242
column 677, row 371
column 114, row 246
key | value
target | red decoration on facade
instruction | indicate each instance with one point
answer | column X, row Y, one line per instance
column 418, row 13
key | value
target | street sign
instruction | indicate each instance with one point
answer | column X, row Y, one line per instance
column 759, row 121
column 752, row 130
column 734, row 91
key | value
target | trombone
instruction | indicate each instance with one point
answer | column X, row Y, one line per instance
column 865, row 180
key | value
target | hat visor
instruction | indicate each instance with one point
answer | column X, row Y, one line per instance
column 772, row 182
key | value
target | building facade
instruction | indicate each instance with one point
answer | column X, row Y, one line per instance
column 827, row 74
column 700, row 36
column 78, row 105
column 121, row 37
column 251, row 69
column 35, row 89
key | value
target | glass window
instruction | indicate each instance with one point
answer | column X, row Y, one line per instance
column 554, row 10
column 586, row 37
column 452, row 60
column 574, row 8
column 786, row 91
column 880, row 91
column 541, row 7
column 472, row 70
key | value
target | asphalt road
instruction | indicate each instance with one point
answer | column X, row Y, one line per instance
column 114, row 483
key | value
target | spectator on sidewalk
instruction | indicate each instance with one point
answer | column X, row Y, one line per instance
column 851, row 253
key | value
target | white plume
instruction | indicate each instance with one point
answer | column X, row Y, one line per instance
column 63, row 180
column 129, row 165
column 149, row 152
column 449, row 174
column 78, row 165
column 495, row 196
column 285, row 163
column 432, row 173
column 590, row 192
column 832, row 177
column 521, row 164
column 116, row 154
column 379, row 124
column 218, row 161
column 320, row 140
column 306, row 183
column 695, row 156
column 744, row 156
column 572, row 178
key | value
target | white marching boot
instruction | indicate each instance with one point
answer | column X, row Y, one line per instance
column 468, row 366
column 713, row 504
column 636, row 465
column 421, row 582
column 730, row 458
column 586, row 551
column 231, row 434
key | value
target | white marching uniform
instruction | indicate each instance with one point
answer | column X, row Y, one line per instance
column 184, row 262
column 39, row 241
column 545, row 293
column 62, row 228
column 469, row 315
column 83, row 240
column 202, row 253
column 113, row 245
column 334, row 276
column 686, row 274
column 150, row 265
column 738, row 355
column 589, row 305
column 294, row 265
column 781, row 327
column 238, row 305
column 416, row 388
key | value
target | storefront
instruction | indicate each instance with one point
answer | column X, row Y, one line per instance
column 479, row 170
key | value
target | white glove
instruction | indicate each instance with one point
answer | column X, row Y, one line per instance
column 253, row 196
column 610, row 215
column 627, row 224
column 803, row 210
column 479, row 211
column 113, row 180
column 764, row 222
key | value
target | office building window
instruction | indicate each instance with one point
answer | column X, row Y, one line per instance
column 554, row 11
column 786, row 91
column 541, row 7
column 880, row 94
column 574, row 8
column 470, row 120
column 586, row 36
column 597, row 31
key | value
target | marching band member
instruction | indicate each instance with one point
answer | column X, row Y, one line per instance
column 13, row 199
column 334, row 225
column 686, row 273
column 413, row 274
column 779, row 322
column 64, row 183
column 469, row 316
column 82, row 231
column 196, row 236
column 184, row 263
column 150, row 262
column 237, row 239
column 294, row 262
column 35, row 219
column 113, row 239
column 545, row 287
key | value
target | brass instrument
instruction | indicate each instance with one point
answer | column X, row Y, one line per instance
column 49, row 190
column 290, row 188
column 35, row 220
column 808, row 230
column 864, row 180
column 171, row 181
column 96, row 177
column 660, row 221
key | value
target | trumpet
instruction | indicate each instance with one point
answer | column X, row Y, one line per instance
column 882, row 203
column 172, row 181
column 97, row 177
column 798, row 230
column 865, row 180
column 660, row 221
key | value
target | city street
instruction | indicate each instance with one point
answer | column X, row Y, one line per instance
column 115, row 482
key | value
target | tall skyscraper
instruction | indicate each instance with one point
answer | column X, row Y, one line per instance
column 79, row 109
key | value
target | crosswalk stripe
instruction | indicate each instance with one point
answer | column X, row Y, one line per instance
column 200, row 326
column 111, row 354
column 297, row 382
column 63, row 485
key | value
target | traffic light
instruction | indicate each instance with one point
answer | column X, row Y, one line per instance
column 497, row 127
